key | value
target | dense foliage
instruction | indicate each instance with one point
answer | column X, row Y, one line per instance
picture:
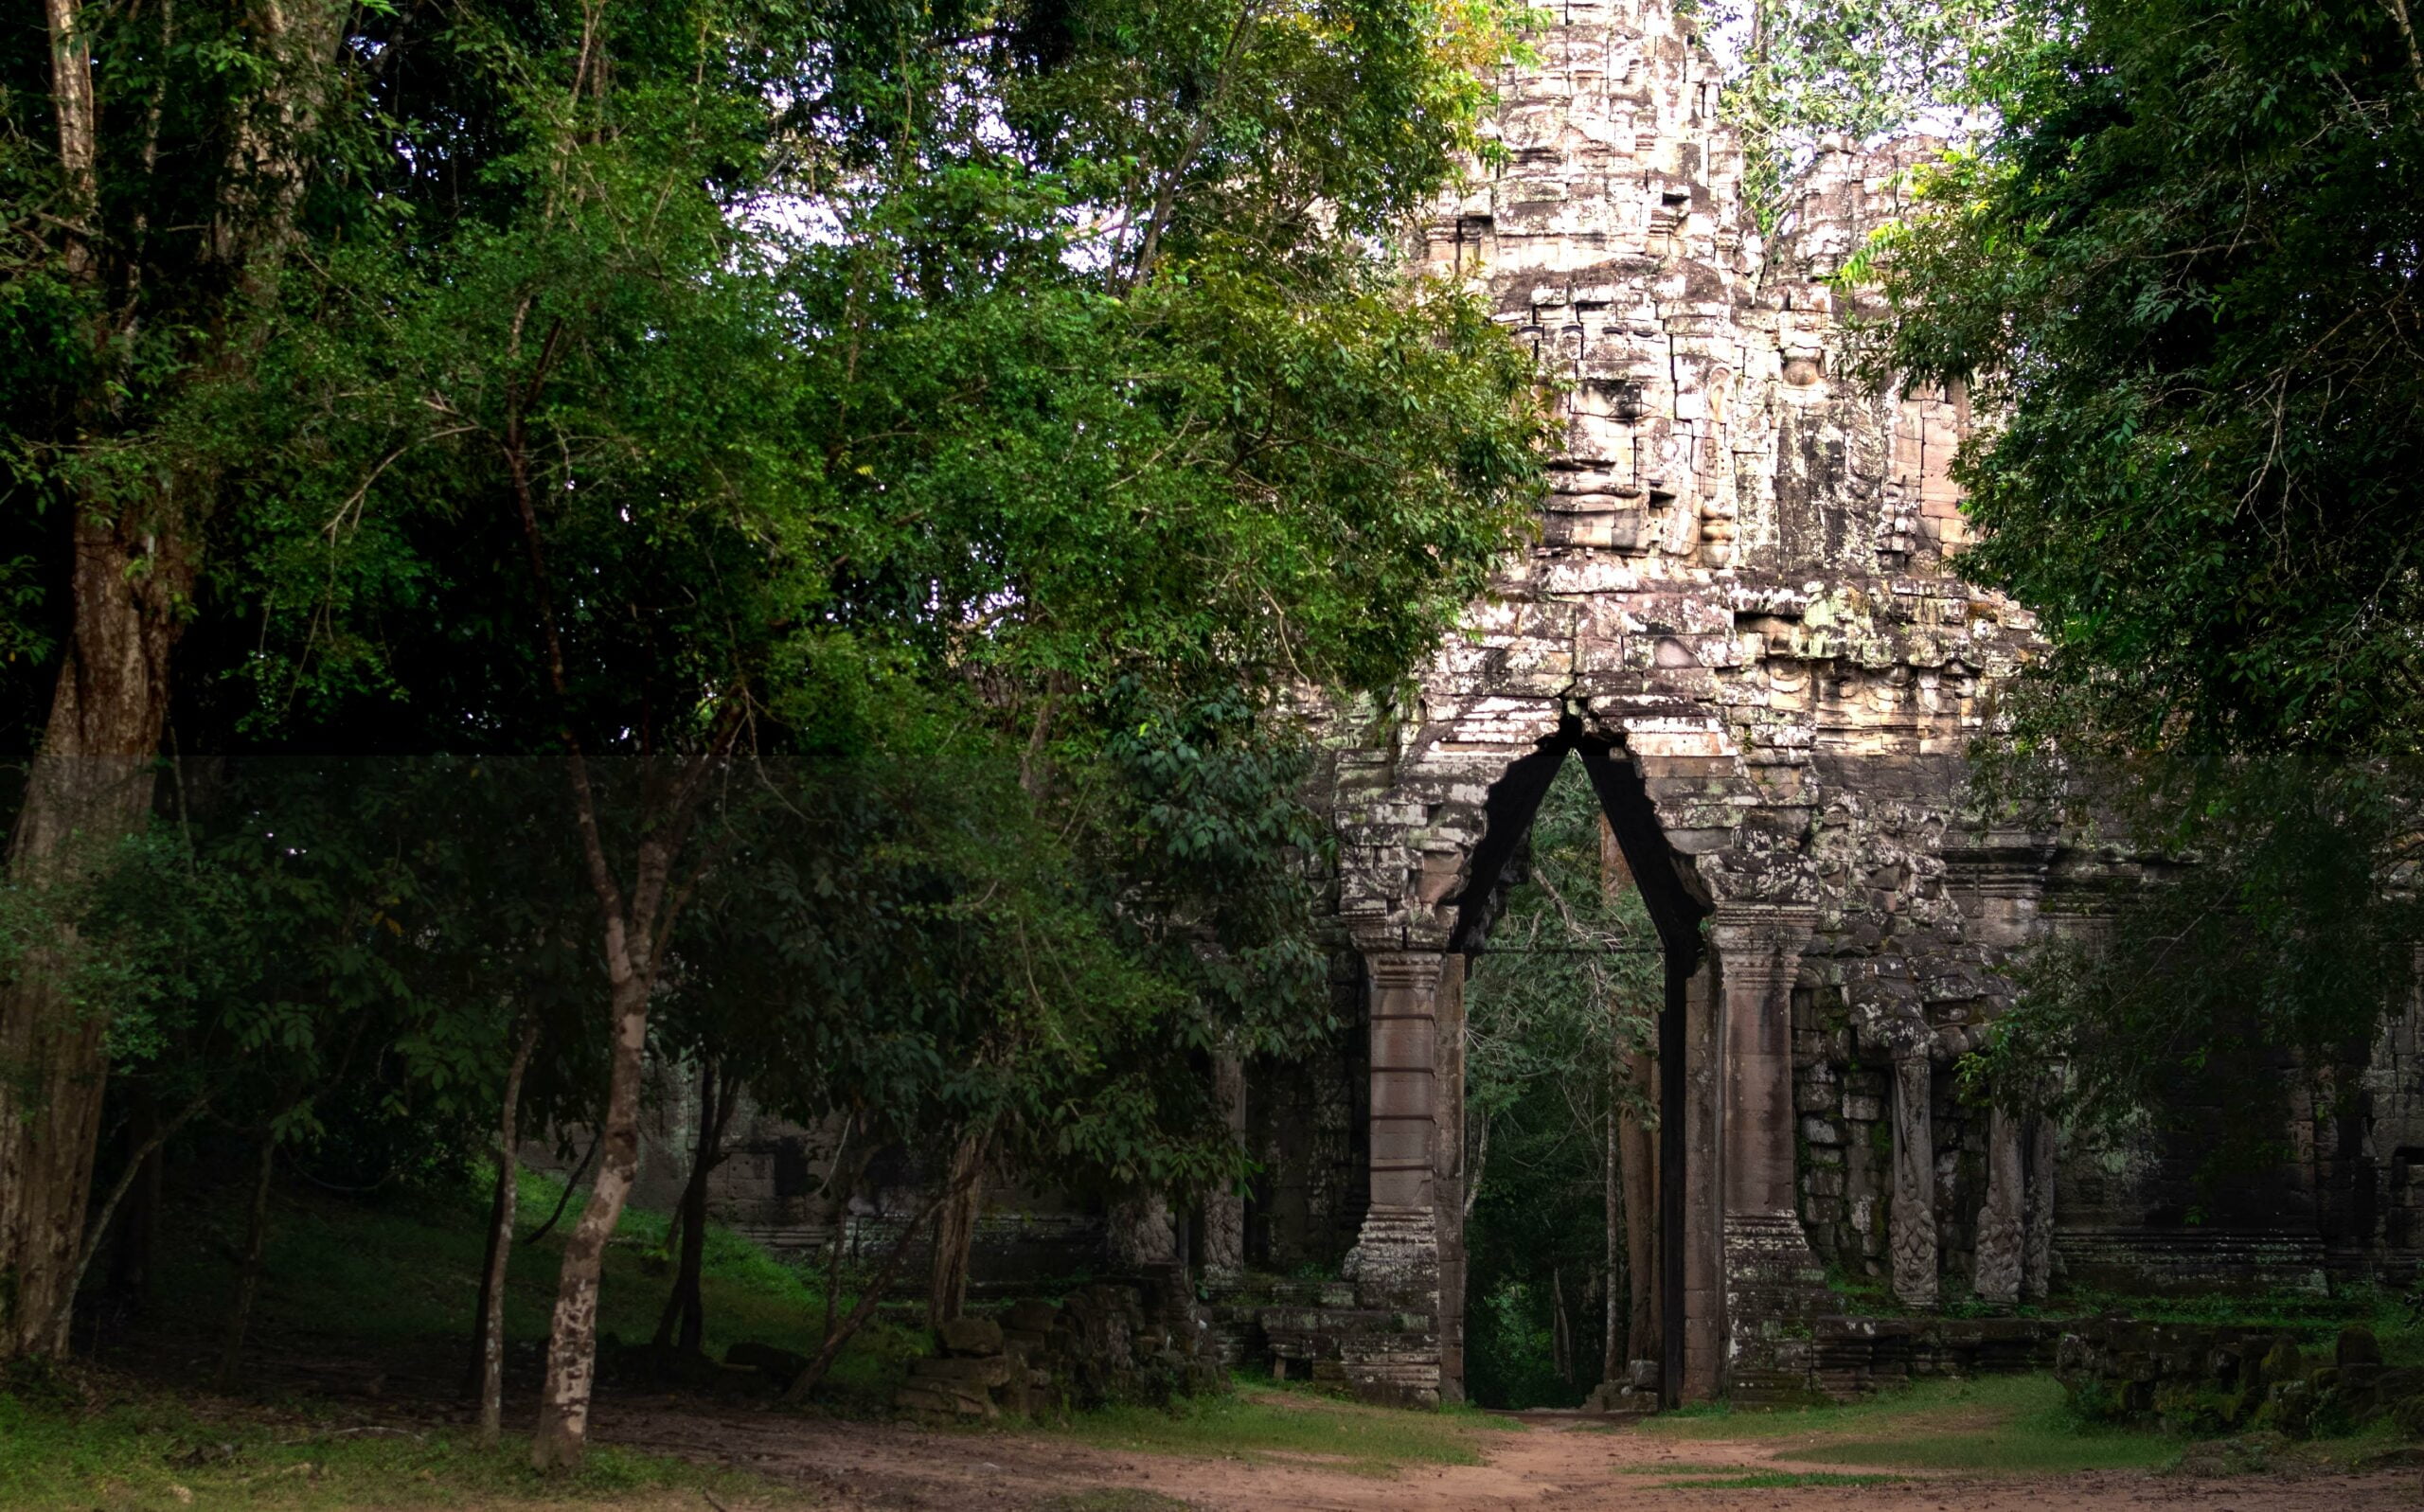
column 2179, row 273
column 2182, row 270
column 789, row 525
column 1856, row 71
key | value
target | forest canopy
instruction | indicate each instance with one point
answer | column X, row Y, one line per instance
column 769, row 532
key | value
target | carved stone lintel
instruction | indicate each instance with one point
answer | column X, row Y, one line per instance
column 1999, row 1221
column 1911, row 1230
column 2037, row 1259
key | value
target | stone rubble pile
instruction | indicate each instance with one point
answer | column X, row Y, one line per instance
column 2201, row 1381
column 1100, row 1343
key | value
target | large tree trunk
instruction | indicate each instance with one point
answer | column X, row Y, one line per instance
column 501, row 1248
column 89, row 788
column 572, row 1343
column 91, row 781
column 963, row 1194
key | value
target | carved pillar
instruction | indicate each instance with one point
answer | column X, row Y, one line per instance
column 1758, row 948
column 1405, row 1075
column 1768, row 1268
column 1395, row 1264
column 1999, row 1221
column 2037, row 1256
column 1225, row 1211
column 1912, row 1225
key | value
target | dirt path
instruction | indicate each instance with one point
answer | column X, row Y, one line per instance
column 1558, row 1468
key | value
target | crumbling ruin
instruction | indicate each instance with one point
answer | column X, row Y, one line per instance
column 1740, row 615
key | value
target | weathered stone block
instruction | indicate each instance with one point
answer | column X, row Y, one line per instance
column 969, row 1335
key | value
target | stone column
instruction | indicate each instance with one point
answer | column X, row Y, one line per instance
column 1999, row 1221
column 1395, row 1264
column 1911, row 1236
column 1225, row 1211
column 1768, row 1268
column 2037, row 1256
column 1398, row 1251
column 1758, row 951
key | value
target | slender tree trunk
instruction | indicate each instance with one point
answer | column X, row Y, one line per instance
column 501, row 1248
column 879, row 1286
column 473, row 1358
column 563, row 1199
column 634, row 928
column 572, row 1343
column 138, row 1161
column 1560, row 1331
column 681, row 1326
column 963, row 1194
column 248, row 1281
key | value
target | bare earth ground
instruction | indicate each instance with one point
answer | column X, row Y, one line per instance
column 1555, row 1465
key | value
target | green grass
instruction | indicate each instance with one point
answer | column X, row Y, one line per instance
column 139, row 1451
column 394, row 1283
column 354, row 1290
column 1267, row 1422
column 1997, row 1423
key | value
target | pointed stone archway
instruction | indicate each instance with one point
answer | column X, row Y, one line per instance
column 1733, row 1262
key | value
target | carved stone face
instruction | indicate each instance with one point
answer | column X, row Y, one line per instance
column 1801, row 372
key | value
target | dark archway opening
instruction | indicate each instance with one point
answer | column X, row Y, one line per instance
column 1671, row 899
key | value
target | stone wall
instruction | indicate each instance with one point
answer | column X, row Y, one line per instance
column 1306, row 1128
column 1141, row 1342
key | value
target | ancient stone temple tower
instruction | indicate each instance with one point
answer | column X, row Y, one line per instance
column 1739, row 615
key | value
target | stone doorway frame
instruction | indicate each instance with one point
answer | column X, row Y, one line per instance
column 1735, row 1266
